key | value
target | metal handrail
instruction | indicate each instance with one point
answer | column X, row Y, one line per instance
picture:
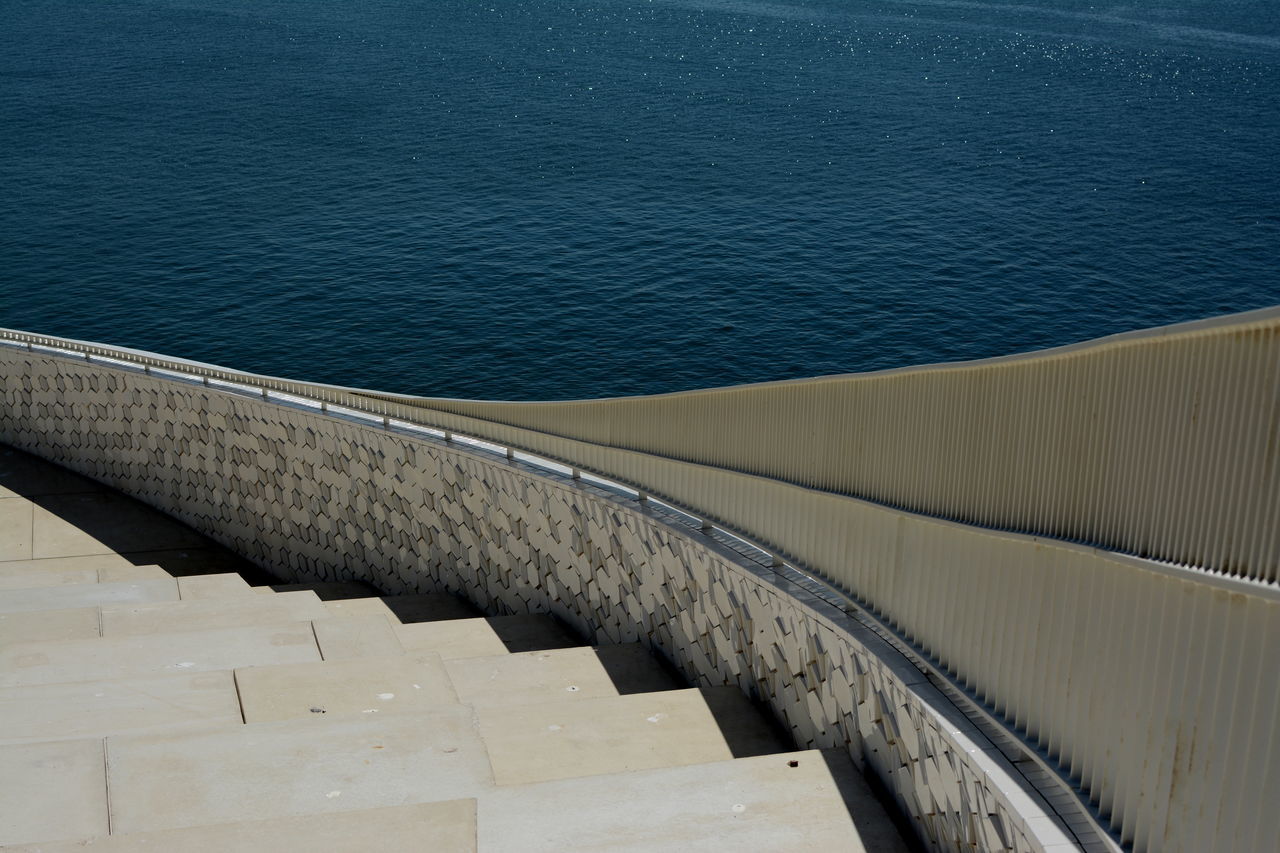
column 1045, row 631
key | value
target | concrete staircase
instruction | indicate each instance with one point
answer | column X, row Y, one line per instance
column 143, row 710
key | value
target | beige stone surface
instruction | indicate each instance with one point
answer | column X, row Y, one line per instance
column 59, row 564
column 117, row 706
column 208, row 614
column 419, row 828
column 426, row 607
column 356, row 637
column 564, row 739
column 495, row 635
column 279, row 769
column 223, row 585
column 34, row 578
column 155, row 654
column 313, row 691
column 23, row 575
column 749, row 805
column 71, row 525
column 15, row 529
column 111, row 574
column 52, row 791
column 23, row 475
column 329, row 590
column 68, row 596
column 79, row 623
column 743, row 725
column 531, row 677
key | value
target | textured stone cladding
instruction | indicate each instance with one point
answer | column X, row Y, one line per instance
column 316, row 497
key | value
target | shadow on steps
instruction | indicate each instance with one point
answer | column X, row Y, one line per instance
column 76, row 517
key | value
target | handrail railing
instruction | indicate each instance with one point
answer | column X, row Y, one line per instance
column 1160, row 443
column 1076, row 648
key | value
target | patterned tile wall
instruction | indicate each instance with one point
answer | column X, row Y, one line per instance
column 316, row 497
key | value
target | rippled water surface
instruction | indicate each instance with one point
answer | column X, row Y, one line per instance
column 554, row 198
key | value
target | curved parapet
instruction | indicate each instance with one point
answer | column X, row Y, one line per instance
column 1011, row 691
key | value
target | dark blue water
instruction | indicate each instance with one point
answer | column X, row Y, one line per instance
column 561, row 198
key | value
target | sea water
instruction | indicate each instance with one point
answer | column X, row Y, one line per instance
column 574, row 198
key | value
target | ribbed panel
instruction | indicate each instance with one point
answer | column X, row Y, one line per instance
column 1160, row 444
column 1156, row 687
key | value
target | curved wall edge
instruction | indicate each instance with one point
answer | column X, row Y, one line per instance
column 315, row 497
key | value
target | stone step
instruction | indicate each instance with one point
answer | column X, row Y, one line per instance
column 329, row 689
column 551, row 674
column 444, row 826
column 52, row 791
column 176, row 562
column 425, row 607
column 223, row 585
column 206, row 614
column 87, row 595
column 357, row 637
column 59, row 576
column 80, row 623
column 112, row 574
column 770, row 803
column 745, row 726
column 494, row 635
column 36, row 578
column 591, row 737
column 291, row 768
column 783, row 802
column 81, row 709
column 326, row 590
column 156, row 654
column 294, row 767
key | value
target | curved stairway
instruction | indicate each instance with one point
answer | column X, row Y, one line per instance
column 157, row 693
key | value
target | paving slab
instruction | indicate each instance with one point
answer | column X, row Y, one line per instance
column 25, row 475
column 527, row 632
column 107, row 522
column 531, row 677
column 52, row 791
column 567, row 738
column 495, row 635
column 427, row 607
column 34, row 578
column 287, row 768
column 207, row 614
column 69, row 596
column 329, row 590
column 87, row 561
column 356, row 637
column 223, row 585
column 209, row 558
column 81, row 623
column 386, row 685
column 418, row 828
column 56, row 574
column 750, row 805
column 870, row 816
column 111, row 574
column 155, row 654
column 454, row 638
column 744, row 724
column 635, row 669
column 118, row 706
column 15, row 528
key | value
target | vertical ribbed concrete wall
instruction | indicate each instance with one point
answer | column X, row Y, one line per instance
column 1159, row 443
column 312, row 497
